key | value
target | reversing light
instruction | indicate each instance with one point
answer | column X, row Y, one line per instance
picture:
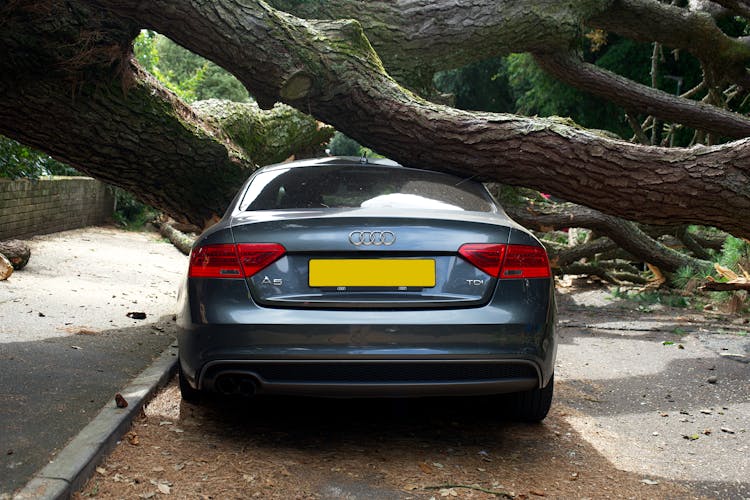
column 232, row 261
column 507, row 261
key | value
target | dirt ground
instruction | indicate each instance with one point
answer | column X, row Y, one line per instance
column 611, row 432
column 297, row 448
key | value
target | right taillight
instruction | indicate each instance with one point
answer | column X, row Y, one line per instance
column 507, row 261
column 233, row 261
column 525, row 261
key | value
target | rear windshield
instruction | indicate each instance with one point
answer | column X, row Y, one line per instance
column 365, row 186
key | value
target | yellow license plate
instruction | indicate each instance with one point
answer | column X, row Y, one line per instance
column 372, row 272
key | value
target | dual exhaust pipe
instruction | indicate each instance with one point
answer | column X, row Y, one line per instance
column 236, row 385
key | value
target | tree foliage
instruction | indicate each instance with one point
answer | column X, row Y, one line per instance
column 188, row 75
column 19, row 161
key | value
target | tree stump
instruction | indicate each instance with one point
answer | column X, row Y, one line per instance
column 6, row 269
column 17, row 252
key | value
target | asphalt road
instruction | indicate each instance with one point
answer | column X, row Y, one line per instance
column 66, row 342
column 659, row 391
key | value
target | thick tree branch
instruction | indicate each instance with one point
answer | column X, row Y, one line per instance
column 676, row 27
column 739, row 7
column 567, row 256
column 68, row 87
column 634, row 96
column 136, row 140
column 417, row 38
column 626, row 234
column 330, row 70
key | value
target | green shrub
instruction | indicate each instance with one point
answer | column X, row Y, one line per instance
column 19, row 161
column 130, row 212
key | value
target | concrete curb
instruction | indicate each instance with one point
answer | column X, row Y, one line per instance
column 75, row 463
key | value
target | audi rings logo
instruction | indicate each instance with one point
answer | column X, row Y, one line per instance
column 372, row 238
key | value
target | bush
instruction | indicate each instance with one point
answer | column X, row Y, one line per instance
column 130, row 212
column 19, row 161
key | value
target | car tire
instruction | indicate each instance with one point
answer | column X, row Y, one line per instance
column 533, row 405
column 187, row 392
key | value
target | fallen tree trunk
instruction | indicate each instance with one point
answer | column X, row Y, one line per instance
column 17, row 252
column 180, row 240
column 721, row 286
column 329, row 69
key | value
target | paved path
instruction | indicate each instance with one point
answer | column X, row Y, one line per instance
column 660, row 392
column 66, row 342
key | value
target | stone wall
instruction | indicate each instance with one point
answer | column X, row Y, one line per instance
column 51, row 204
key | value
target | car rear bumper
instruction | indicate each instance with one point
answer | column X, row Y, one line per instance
column 238, row 346
column 369, row 378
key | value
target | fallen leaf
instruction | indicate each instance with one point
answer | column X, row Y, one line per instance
column 120, row 401
column 727, row 430
column 650, row 482
column 136, row 315
column 132, row 438
column 425, row 468
column 163, row 488
column 101, row 470
column 537, row 493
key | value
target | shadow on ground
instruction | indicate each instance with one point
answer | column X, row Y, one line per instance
column 52, row 388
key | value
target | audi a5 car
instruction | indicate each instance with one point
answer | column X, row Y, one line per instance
column 345, row 278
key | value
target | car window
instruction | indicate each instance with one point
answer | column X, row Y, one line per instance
column 365, row 186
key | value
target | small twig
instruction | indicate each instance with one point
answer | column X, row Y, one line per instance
column 637, row 129
column 690, row 93
column 498, row 493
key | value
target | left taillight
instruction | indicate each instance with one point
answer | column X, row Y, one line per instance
column 233, row 261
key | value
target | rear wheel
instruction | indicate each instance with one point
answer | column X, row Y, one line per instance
column 533, row 405
column 186, row 390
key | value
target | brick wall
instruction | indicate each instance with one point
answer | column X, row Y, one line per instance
column 52, row 204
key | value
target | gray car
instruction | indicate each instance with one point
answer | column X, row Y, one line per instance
column 342, row 277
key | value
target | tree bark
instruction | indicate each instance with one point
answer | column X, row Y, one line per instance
column 634, row 96
column 17, row 252
column 627, row 235
column 70, row 88
column 6, row 268
column 266, row 136
column 68, row 62
column 330, row 70
column 180, row 240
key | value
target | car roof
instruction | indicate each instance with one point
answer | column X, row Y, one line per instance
column 336, row 160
